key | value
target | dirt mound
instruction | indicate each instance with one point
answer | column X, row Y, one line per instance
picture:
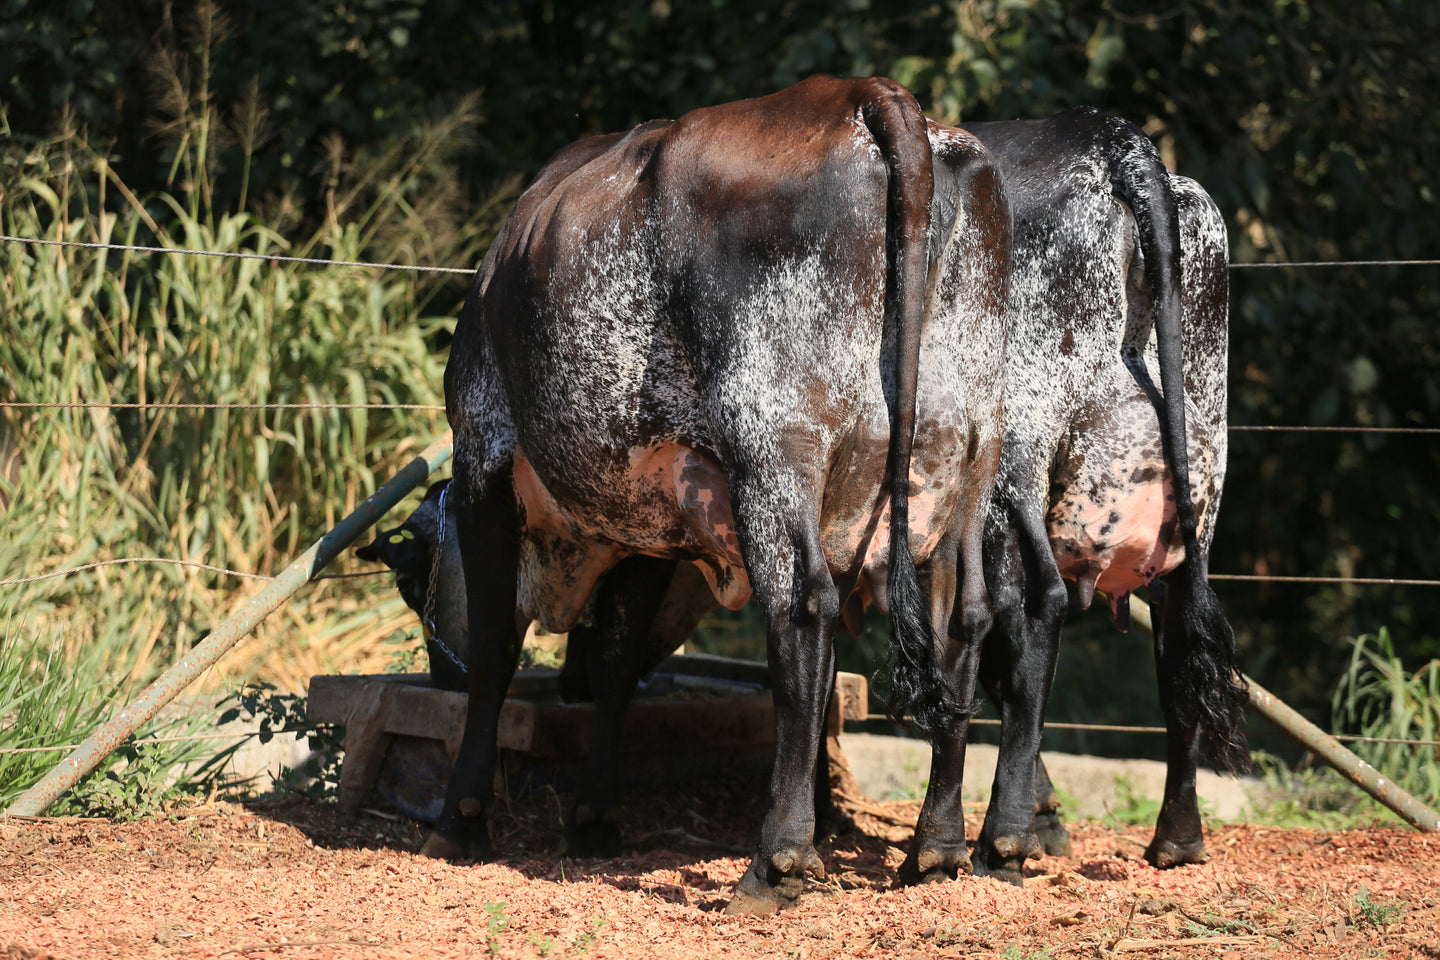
column 290, row 880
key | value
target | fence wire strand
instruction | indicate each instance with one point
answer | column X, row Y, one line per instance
column 238, row 255
column 96, row 405
column 1283, row 428
column 131, row 560
column 979, row 721
column 1242, row 577
column 417, row 268
column 440, row 408
column 1338, row 263
column 1361, row 581
column 123, row 561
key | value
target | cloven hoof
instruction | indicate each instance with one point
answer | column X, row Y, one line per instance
column 1163, row 854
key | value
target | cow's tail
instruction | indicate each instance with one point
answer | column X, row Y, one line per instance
column 1210, row 689
column 895, row 120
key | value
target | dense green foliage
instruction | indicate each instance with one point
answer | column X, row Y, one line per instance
column 1315, row 125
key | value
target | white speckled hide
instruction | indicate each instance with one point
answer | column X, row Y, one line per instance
column 674, row 364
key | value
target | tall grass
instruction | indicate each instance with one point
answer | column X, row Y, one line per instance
column 1378, row 697
column 241, row 489
column 49, row 698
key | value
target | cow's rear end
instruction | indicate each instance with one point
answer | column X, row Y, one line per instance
column 701, row 342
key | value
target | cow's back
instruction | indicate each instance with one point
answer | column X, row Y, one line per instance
column 672, row 309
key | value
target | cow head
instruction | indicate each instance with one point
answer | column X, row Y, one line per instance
column 408, row 548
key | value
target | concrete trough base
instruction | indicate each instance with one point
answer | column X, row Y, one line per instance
column 891, row 767
column 697, row 717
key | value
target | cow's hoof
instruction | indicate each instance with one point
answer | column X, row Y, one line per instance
column 934, row 863
column 1163, row 854
column 1054, row 838
column 592, row 837
column 1004, row 857
column 460, row 838
column 440, row 847
column 771, row 887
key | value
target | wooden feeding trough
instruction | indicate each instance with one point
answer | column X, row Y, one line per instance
column 695, row 716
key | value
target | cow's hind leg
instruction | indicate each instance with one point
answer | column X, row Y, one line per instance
column 938, row 850
column 1019, row 661
column 488, row 527
column 794, row 588
column 959, row 599
column 619, row 648
column 1054, row 838
column 1179, row 834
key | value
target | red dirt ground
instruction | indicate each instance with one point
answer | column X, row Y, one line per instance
column 289, row 880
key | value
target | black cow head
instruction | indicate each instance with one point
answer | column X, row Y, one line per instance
column 408, row 548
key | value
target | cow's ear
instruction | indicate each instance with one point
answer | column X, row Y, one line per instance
column 370, row 551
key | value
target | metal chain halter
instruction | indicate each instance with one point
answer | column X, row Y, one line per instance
column 427, row 620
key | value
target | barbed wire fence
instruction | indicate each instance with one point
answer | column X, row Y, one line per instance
column 339, row 406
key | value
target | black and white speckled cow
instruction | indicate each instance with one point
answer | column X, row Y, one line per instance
column 720, row 340
column 1118, row 264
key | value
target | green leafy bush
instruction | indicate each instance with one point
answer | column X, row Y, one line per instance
column 284, row 714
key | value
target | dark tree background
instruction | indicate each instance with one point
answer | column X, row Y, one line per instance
column 1314, row 123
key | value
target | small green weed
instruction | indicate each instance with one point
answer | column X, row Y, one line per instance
column 587, row 939
column 1013, row 952
column 1132, row 808
column 283, row 714
column 543, row 945
column 1309, row 796
column 496, row 923
column 1067, row 800
column 408, row 652
column 1377, row 915
column 532, row 656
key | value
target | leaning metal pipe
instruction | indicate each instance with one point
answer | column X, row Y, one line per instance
column 180, row 675
column 1354, row 769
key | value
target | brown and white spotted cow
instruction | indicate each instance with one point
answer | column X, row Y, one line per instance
column 720, row 340
column 1108, row 479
